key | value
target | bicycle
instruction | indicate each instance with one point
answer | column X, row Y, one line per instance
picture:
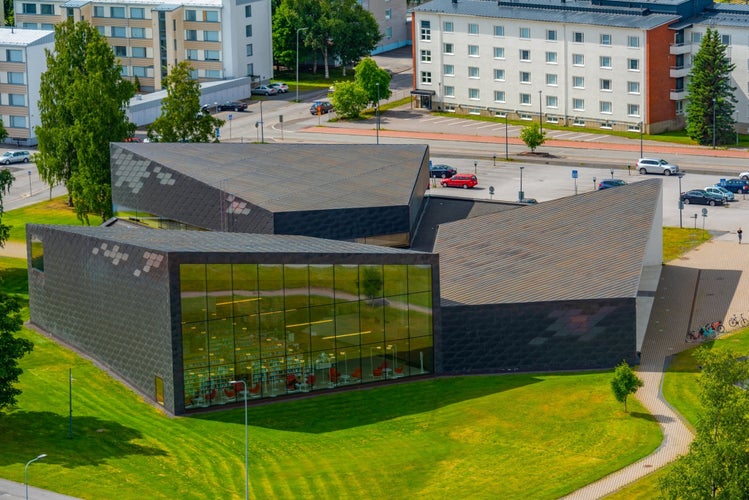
column 735, row 321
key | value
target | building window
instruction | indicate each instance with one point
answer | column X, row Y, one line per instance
column 426, row 30
column 679, row 107
column 473, row 50
column 551, row 79
column 30, row 26
column 15, row 78
column 17, row 121
column 98, row 11
column 473, row 72
column 499, row 30
column 120, row 51
column 117, row 12
column 16, row 99
column 578, row 60
column 124, row 71
column 47, row 9
column 210, row 16
column 426, row 56
column 525, row 55
column 191, row 35
column 633, row 42
column 248, row 31
column 578, row 37
column 725, row 39
column 499, row 52
column 525, row 99
column 389, row 32
column 473, row 29
column 213, row 73
column 250, row 69
column 578, row 82
column 605, row 39
column 633, row 87
column 28, row 8
column 119, row 32
column 605, row 107
column 388, row 13
column 633, row 109
column 552, row 101
column 426, row 77
column 210, row 36
column 448, row 27
column 139, row 52
column 605, row 62
column 578, row 104
column 525, row 33
column 192, row 54
column 633, row 64
column 137, row 13
column 551, row 57
column 248, row 50
column 525, row 77
column 212, row 55
column 696, row 37
column 448, row 70
column 48, row 26
column 140, row 71
column 605, row 84
column 449, row 91
column 101, row 30
column 248, row 11
column 551, row 35
column 578, row 122
column 473, row 94
column 449, row 48
column 499, row 75
column 499, row 96
column 138, row 32
column 190, row 15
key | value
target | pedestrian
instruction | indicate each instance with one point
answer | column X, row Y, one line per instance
column 739, row 232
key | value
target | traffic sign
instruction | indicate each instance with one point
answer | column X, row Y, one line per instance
column 574, row 174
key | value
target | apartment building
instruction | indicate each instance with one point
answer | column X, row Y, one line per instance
column 593, row 64
column 394, row 21
column 222, row 39
column 22, row 61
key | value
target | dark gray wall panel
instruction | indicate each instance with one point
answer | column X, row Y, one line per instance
column 345, row 224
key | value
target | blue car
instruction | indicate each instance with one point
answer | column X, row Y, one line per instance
column 442, row 171
column 610, row 183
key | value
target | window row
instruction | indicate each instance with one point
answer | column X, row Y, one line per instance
column 39, row 26
column 208, row 16
column 203, row 55
column 135, row 52
column 45, row 9
column 550, row 57
column 16, row 121
column 119, row 12
column 13, row 100
column 201, row 35
column 121, row 32
column 499, row 75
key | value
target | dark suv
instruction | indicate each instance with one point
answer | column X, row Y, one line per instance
column 442, row 171
column 736, row 185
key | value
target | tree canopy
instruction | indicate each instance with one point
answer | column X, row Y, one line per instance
column 6, row 180
column 532, row 136
column 11, row 349
column 624, row 383
column 181, row 119
column 711, row 93
column 374, row 80
column 349, row 99
column 82, row 109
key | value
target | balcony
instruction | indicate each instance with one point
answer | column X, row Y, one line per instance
column 678, row 94
column 680, row 48
column 679, row 71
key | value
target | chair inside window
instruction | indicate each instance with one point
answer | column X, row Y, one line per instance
column 211, row 395
column 356, row 374
column 230, row 393
column 398, row 371
column 334, row 375
column 311, row 380
column 377, row 372
column 255, row 390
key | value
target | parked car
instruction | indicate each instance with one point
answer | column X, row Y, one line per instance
column 701, row 197
column 264, row 90
column 744, row 175
column 656, row 166
column 610, row 183
column 464, row 181
column 133, row 139
column 736, row 185
column 280, row 86
column 721, row 191
column 232, row 106
column 321, row 107
column 15, row 157
column 443, row 171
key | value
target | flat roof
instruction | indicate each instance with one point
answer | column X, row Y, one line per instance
column 25, row 37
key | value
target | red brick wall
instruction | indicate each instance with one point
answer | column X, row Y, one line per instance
column 658, row 84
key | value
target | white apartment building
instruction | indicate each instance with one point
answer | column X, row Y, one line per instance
column 394, row 21
column 22, row 62
column 223, row 39
column 595, row 64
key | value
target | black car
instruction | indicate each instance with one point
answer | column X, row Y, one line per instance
column 701, row 197
column 232, row 106
column 321, row 107
column 736, row 185
column 610, row 183
column 442, row 171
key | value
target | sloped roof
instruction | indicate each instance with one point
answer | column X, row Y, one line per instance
column 586, row 246
column 293, row 177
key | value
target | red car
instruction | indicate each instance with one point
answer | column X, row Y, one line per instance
column 464, row 181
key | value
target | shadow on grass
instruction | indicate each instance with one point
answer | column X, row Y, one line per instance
column 94, row 442
column 370, row 405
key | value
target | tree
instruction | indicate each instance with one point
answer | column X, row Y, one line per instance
column 82, row 109
column 371, row 283
column 6, row 180
column 716, row 465
column 368, row 75
column 711, row 93
column 3, row 132
column 624, row 383
column 181, row 119
column 356, row 32
column 11, row 349
column 349, row 99
column 532, row 136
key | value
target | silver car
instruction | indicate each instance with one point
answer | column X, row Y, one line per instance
column 15, row 157
column 720, row 191
column 656, row 166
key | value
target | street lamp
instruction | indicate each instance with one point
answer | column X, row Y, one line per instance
column 540, row 118
column 475, row 164
column 507, row 149
column 612, row 173
column 714, row 122
column 262, row 134
column 681, row 203
column 29, row 183
column 641, row 127
column 377, row 113
column 297, row 62
column 26, row 472
column 246, row 441
column 521, row 195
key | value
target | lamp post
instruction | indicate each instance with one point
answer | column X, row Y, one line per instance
column 540, row 118
column 521, row 195
column 714, row 122
column 377, row 113
column 507, row 150
column 475, row 165
column 246, row 441
column 681, row 203
column 26, row 472
column 29, row 183
column 612, row 173
column 70, row 402
column 262, row 134
column 641, row 127
column 297, row 62
column 215, row 106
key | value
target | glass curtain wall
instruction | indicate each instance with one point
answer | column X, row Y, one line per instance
column 286, row 328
